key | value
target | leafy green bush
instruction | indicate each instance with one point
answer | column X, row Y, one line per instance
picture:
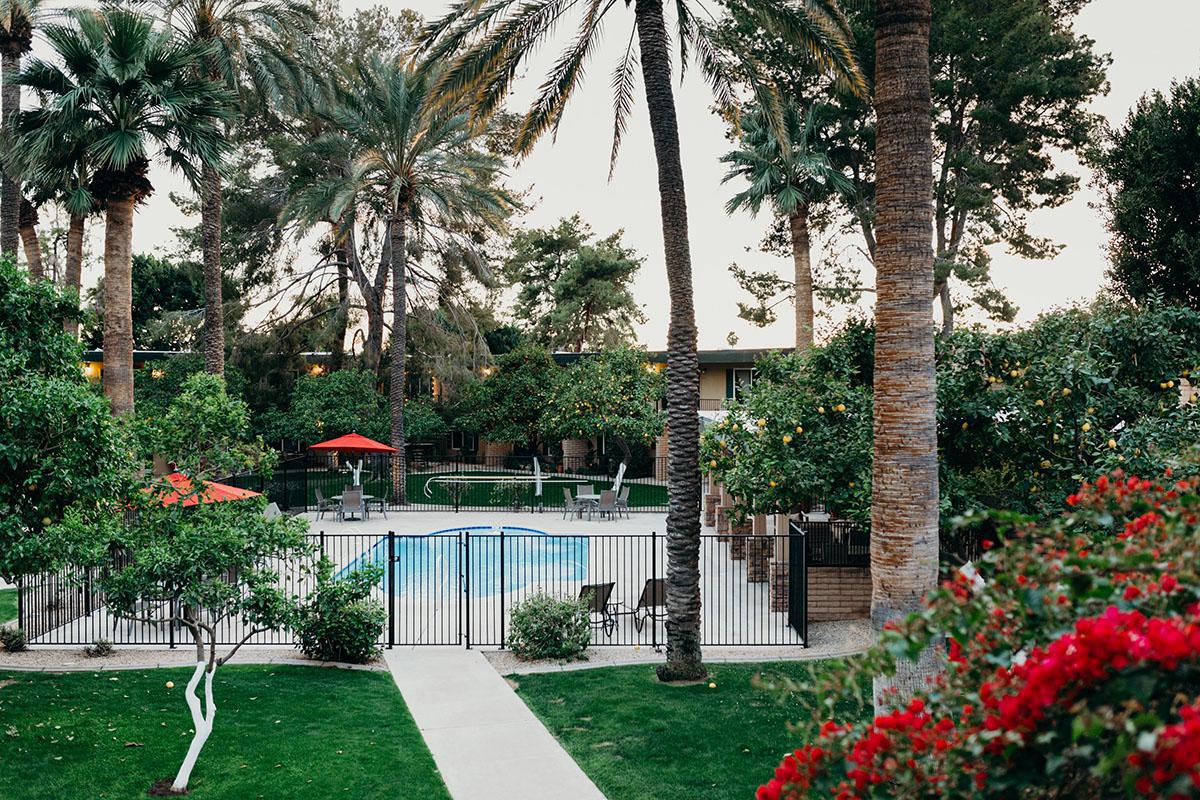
column 545, row 626
column 341, row 621
column 100, row 648
column 13, row 640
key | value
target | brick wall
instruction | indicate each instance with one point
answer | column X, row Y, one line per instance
column 838, row 593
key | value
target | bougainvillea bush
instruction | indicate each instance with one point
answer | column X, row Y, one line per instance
column 1072, row 666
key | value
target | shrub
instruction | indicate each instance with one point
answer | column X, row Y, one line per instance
column 544, row 626
column 99, row 648
column 13, row 640
column 340, row 621
column 1073, row 666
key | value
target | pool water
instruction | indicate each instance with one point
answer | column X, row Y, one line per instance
column 484, row 561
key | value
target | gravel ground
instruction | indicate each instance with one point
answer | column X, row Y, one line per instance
column 63, row 659
column 829, row 640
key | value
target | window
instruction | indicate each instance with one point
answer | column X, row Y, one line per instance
column 738, row 380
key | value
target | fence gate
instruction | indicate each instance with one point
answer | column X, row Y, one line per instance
column 798, row 580
column 424, row 584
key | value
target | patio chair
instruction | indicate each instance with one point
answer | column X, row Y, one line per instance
column 324, row 505
column 623, row 502
column 381, row 501
column 352, row 503
column 652, row 605
column 607, row 505
column 272, row 511
column 571, row 506
column 600, row 611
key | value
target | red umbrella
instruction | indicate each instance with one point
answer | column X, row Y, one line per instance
column 212, row 492
column 353, row 443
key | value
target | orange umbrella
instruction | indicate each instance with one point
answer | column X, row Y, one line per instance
column 212, row 492
column 353, row 443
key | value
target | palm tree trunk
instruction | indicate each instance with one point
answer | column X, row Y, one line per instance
column 74, row 267
column 904, row 496
column 210, row 235
column 683, row 368
column 118, row 305
column 27, row 229
column 802, row 264
column 10, row 187
column 399, row 345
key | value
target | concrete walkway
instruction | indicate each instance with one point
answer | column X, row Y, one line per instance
column 487, row 744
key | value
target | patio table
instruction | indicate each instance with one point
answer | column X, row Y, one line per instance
column 365, row 497
column 590, row 499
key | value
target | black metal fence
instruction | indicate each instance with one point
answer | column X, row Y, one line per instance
column 473, row 483
column 459, row 587
column 836, row 543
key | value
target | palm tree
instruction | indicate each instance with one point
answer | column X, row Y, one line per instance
column 420, row 163
column 904, row 478
column 491, row 40
column 17, row 21
column 792, row 176
column 250, row 43
column 124, row 92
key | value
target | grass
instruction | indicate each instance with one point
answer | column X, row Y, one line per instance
column 280, row 731
column 8, row 605
column 640, row 740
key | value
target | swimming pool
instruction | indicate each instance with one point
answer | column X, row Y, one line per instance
column 480, row 560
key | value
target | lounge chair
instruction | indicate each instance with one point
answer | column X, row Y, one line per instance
column 607, row 505
column 324, row 505
column 652, row 605
column 381, row 501
column 623, row 502
column 352, row 503
column 571, row 506
column 600, row 610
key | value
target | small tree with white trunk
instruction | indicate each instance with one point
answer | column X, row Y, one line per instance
column 209, row 569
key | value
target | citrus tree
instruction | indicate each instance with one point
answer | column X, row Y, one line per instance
column 615, row 393
column 508, row 404
column 60, row 450
column 1022, row 417
column 202, row 566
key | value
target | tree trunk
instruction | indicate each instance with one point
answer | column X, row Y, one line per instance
column 74, row 267
column 803, row 279
column 373, row 343
column 399, row 344
column 341, row 319
column 202, row 716
column 904, row 497
column 210, row 236
column 947, row 308
column 27, row 220
column 683, row 369
column 10, row 187
column 118, row 305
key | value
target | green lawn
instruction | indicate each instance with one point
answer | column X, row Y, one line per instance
column 280, row 732
column 8, row 605
column 637, row 738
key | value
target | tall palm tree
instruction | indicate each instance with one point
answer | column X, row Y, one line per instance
column 489, row 42
column 792, row 175
column 18, row 18
column 904, row 477
column 250, row 44
column 125, row 92
column 421, row 164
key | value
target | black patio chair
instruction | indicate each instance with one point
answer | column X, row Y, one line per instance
column 600, row 610
column 651, row 605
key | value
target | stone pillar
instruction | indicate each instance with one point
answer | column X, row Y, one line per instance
column 575, row 453
column 723, row 522
column 711, row 502
column 779, row 565
column 660, row 457
column 758, row 550
column 738, row 534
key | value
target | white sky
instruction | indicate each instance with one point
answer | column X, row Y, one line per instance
column 1150, row 47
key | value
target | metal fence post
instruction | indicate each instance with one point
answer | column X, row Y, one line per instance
column 467, row 596
column 171, row 622
column 21, row 603
column 389, row 586
column 502, row 588
column 654, row 576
